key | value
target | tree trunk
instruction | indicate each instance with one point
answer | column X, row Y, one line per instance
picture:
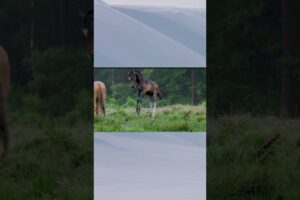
column 194, row 83
column 287, row 94
column 61, row 22
column 288, row 106
column 56, row 25
column 121, row 75
column 31, row 42
column 66, row 16
column 112, row 77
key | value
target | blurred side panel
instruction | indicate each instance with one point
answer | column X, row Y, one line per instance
column 49, row 108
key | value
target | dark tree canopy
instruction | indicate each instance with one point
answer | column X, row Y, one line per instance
column 178, row 86
column 245, row 56
column 47, row 51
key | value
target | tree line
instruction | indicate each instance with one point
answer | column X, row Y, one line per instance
column 186, row 86
column 47, row 52
column 253, row 57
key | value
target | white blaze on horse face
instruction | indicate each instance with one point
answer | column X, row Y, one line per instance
column 129, row 78
column 85, row 31
column 132, row 83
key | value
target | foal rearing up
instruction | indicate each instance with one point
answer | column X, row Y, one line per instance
column 144, row 87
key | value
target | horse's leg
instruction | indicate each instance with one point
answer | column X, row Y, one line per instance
column 154, row 105
column 138, row 108
column 95, row 105
column 103, row 101
column 98, row 108
column 151, row 104
column 103, row 109
column 154, row 109
column 101, row 104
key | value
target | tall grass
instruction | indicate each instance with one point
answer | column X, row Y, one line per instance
column 236, row 171
column 168, row 118
column 47, row 161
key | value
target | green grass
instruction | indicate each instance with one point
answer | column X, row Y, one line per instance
column 169, row 118
column 48, row 162
column 236, row 172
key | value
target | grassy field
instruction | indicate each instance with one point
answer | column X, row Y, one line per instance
column 169, row 118
column 47, row 162
column 253, row 158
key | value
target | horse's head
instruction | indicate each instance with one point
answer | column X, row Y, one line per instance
column 135, row 77
column 88, row 31
column 87, row 23
column 132, row 79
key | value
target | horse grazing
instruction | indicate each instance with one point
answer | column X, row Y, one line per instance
column 144, row 87
column 4, row 90
column 88, row 31
column 99, row 97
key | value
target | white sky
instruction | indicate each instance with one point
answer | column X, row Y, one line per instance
column 164, row 3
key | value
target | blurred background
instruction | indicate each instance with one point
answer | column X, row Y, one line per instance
column 181, row 108
column 50, row 103
column 177, row 85
column 253, row 100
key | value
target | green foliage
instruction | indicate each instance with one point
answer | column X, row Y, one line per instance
column 246, row 56
column 83, row 108
column 174, row 84
column 33, row 103
column 50, row 155
column 58, row 78
column 130, row 102
column 121, row 92
column 236, row 171
column 170, row 118
column 43, row 160
column 51, row 28
column 42, row 116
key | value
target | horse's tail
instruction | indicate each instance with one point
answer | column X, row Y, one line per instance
column 101, row 98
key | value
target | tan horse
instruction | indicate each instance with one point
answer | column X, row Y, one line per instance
column 99, row 97
column 4, row 90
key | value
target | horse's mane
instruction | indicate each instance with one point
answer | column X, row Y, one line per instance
column 140, row 76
